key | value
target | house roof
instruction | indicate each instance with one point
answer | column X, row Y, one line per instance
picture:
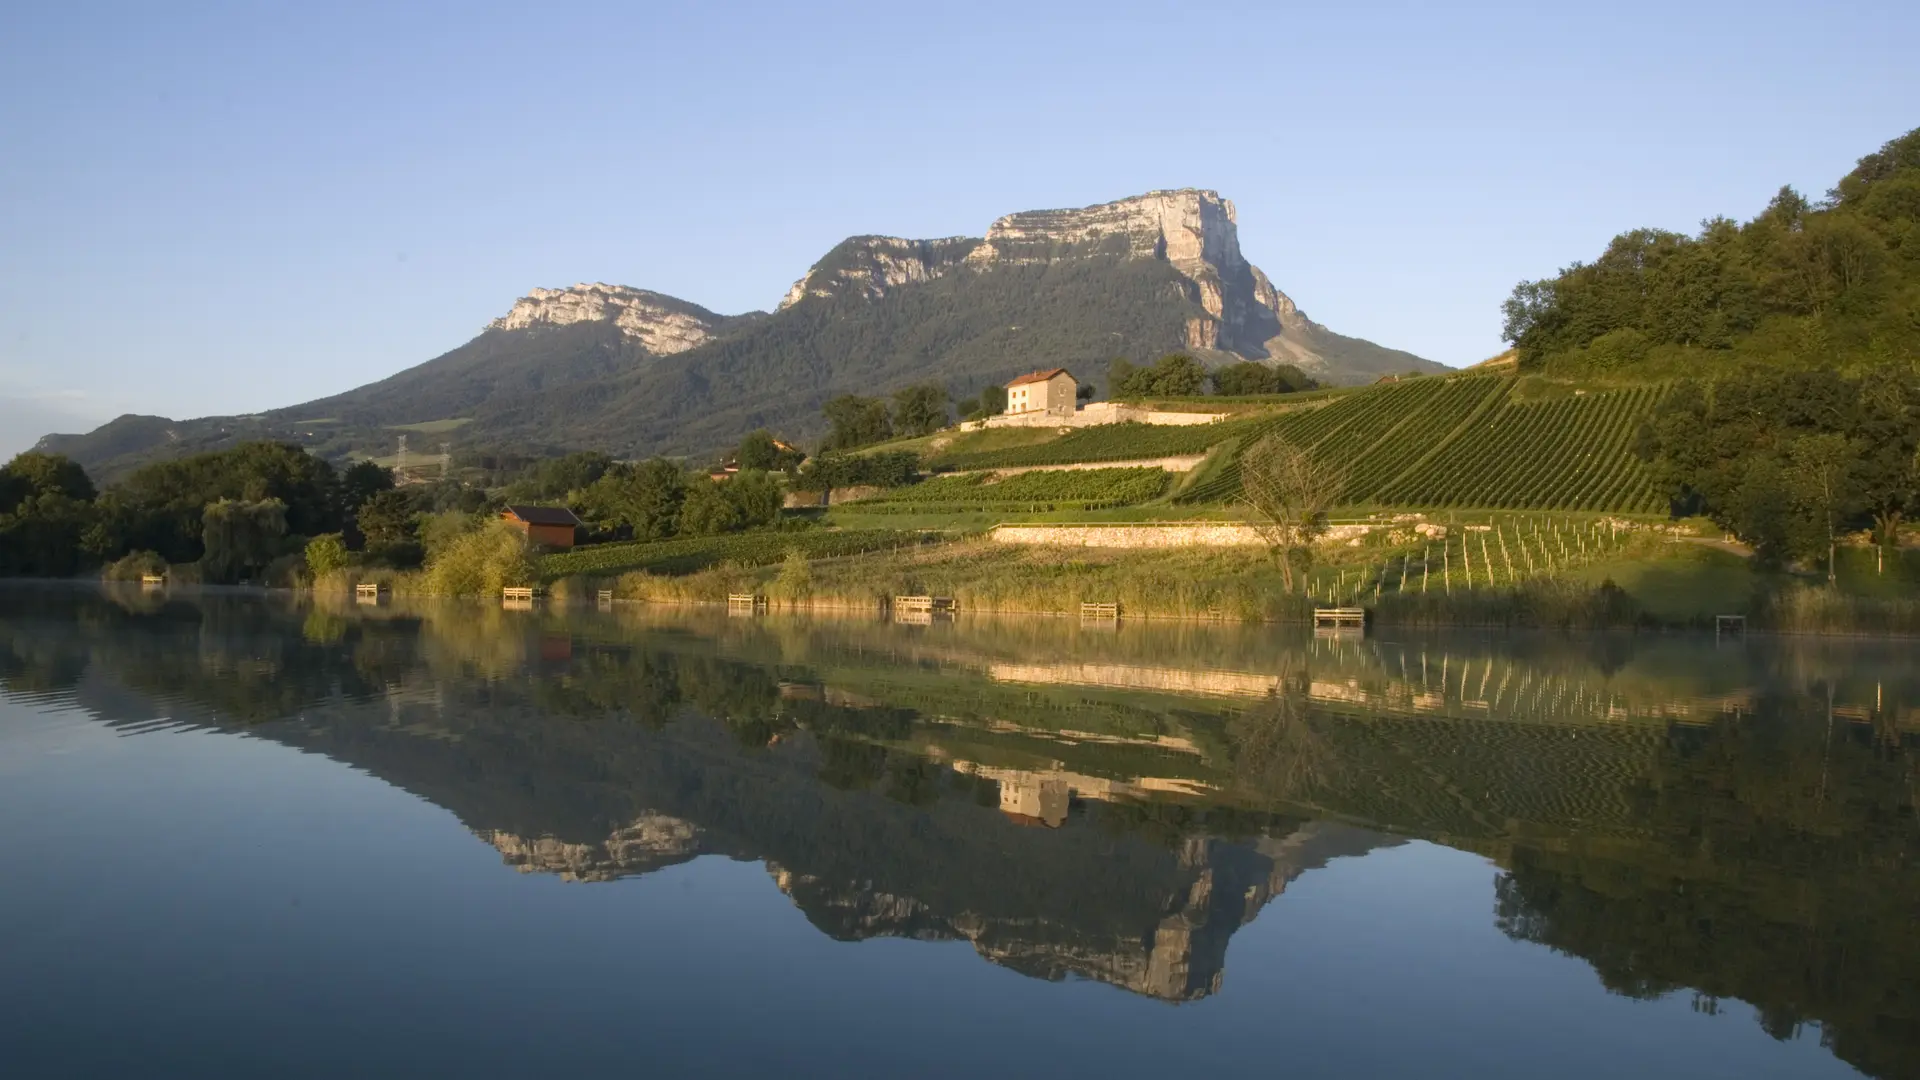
column 544, row 515
column 1040, row 376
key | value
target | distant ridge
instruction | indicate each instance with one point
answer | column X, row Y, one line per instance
column 634, row 372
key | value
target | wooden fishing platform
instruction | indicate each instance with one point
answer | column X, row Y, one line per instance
column 1340, row 618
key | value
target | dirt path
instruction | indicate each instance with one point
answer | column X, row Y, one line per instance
column 1733, row 547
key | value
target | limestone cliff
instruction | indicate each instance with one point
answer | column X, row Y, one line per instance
column 663, row 325
column 651, row 842
column 1236, row 308
column 872, row 266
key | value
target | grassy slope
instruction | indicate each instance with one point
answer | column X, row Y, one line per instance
column 1461, row 442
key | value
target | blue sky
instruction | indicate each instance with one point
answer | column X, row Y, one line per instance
column 218, row 208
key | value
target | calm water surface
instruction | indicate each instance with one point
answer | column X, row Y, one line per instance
column 244, row 836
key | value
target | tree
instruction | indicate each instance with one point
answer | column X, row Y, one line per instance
column 920, row 409
column 991, row 402
column 1173, row 375
column 856, row 421
column 760, row 450
column 1252, row 378
column 483, row 562
column 362, row 481
column 756, row 497
column 33, row 473
column 1285, row 498
column 240, row 537
column 1825, row 470
column 390, row 527
column 326, row 554
column 643, row 499
column 707, row 511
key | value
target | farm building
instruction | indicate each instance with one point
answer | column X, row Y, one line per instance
column 551, row 526
column 1053, row 391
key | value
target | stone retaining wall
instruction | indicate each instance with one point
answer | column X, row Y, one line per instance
column 1174, row 535
column 1093, row 415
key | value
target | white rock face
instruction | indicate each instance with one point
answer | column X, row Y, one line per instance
column 1191, row 229
column 662, row 325
column 653, row 840
column 872, row 266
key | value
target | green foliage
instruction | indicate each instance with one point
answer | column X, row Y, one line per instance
column 134, row 566
column 760, row 450
column 920, row 409
column 855, row 421
column 756, row 497
column 483, row 562
column 642, row 500
column 34, row 474
column 706, row 510
column 992, row 402
column 1248, row 379
column 326, row 554
column 881, row 469
column 361, row 481
column 796, row 577
column 439, row 531
column 1173, row 375
column 390, row 528
column 159, row 507
column 685, row 556
column 556, row 478
column 1799, row 285
column 240, row 538
column 1787, row 459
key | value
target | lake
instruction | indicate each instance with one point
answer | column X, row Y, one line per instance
column 253, row 835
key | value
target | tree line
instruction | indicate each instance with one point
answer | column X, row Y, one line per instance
column 1789, row 461
column 1828, row 283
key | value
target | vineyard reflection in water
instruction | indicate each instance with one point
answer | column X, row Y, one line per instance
column 1730, row 822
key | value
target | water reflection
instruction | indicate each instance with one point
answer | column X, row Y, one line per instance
column 1729, row 821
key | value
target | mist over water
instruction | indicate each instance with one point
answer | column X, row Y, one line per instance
column 248, row 834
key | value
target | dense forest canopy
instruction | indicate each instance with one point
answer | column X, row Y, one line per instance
column 1832, row 284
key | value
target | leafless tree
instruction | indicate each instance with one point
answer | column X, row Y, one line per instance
column 1285, row 496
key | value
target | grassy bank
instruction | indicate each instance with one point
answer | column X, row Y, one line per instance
column 1648, row 584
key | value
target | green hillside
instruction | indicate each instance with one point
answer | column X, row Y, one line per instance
column 1469, row 441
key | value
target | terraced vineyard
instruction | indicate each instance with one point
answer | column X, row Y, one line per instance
column 1108, row 442
column 1463, row 442
column 1079, row 489
column 1573, row 453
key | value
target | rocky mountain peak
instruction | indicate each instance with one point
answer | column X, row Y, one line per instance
column 662, row 324
column 872, row 266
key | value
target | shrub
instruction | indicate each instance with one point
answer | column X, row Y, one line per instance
column 325, row 554
column 482, row 563
column 134, row 566
column 795, row 581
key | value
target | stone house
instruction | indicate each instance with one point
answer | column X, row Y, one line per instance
column 1053, row 391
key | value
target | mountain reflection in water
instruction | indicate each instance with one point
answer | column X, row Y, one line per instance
column 1734, row 821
